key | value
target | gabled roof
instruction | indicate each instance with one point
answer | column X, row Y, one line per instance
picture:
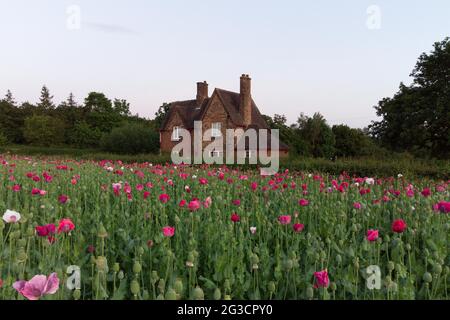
column 189, row 112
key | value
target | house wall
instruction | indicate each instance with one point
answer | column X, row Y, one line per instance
column 166, row 135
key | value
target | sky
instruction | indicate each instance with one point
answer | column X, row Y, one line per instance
column 338, row 58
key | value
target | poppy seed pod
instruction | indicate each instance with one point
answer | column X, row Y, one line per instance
column 391, row 266
column 77, row 294
column 102, row 232
column 120, row 275
column 227, row 297
column 198, row 294
column 137, row 267
column 162, row 285
column 217, row 294
column 134, row 287
column 116, row 267
column 271, row 287
column 427, row 277
column 178, row 286
column 171, row 294
column 437, row 268
column 102, row 264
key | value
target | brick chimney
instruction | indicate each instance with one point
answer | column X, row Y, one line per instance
column 202, row 92
column 245, row 106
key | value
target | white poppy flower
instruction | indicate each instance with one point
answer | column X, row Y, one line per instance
column 253, row 230
column 11, row 216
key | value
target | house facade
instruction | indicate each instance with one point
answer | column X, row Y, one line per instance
column 221, row 111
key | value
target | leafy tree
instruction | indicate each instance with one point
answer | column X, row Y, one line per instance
column 99, row 112
column 351, row 142
column 317, row 135
column 161, row 114
column 122, row 107
column 43, row 130
column 3, row 140
column 82, row 135
column 417, row 118
column 131, row 139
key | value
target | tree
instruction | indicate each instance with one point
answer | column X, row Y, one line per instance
column 317, row 135
column 43, row 130
column 351, row 142
column 45, row 101
column 160, row 115
column 122, row 107
column 417, row 118
column 99, row 112
column 9, row 98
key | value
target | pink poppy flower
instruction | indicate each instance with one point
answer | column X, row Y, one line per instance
column 399, row 226
column 38, row 286
column 237, row 202
column 16, row 188
column 140, row 187
column 357, row 205
column 207, row 203
column 182, row 203
column 168, row 231
column 372, row 235
column 303, row 202
column 443, row 207
column 146, row 194
column 35, row 191
column 322, row 280
column 284, row 220
column 254, row 186
column 298, row 227
column 194, row 205
column 203, row 181
column 65, row 225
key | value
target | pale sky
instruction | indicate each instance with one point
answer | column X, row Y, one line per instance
column 335, row 57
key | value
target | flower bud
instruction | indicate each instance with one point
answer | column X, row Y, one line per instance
column 116, row 267
column 120, row 275
column 271, row 287
column 437, row 268
column 102, row 232
column 178, row 286
column 391, row 266
column 309, row 292
column 162, row 285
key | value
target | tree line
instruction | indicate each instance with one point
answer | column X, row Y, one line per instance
column 416, row 120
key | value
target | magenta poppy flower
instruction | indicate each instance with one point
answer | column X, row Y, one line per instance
column 357, row 205
column 426, row 192
column 399, row 226
column 38, row 286
column 168, row 231
column 237, row 202
column 254, row 186
column 372, row 235
column 443, row 207
column 203, row 181
column 16, row 188
column 63, row 199
column 44, row 231
column 66, row 225
column 182, row 203
column 284, row 220
column 235, row 217
column 298, row 227
column 164, row 198
column 322, row 280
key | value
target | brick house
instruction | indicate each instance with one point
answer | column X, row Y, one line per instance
column 223, row 110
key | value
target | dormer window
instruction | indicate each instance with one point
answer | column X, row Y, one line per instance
column 176, row 134
column 216, row 129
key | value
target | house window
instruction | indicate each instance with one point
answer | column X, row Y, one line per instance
column 176, row 134
column 216, row 154
column 216, row 129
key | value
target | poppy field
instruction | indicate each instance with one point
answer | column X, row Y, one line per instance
column 88, row 230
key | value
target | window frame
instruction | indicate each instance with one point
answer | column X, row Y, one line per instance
column 216, row 129
column 176, row 137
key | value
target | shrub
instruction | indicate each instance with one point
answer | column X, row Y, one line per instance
column 3, row 140
column 82, row 135
column 131, row 139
